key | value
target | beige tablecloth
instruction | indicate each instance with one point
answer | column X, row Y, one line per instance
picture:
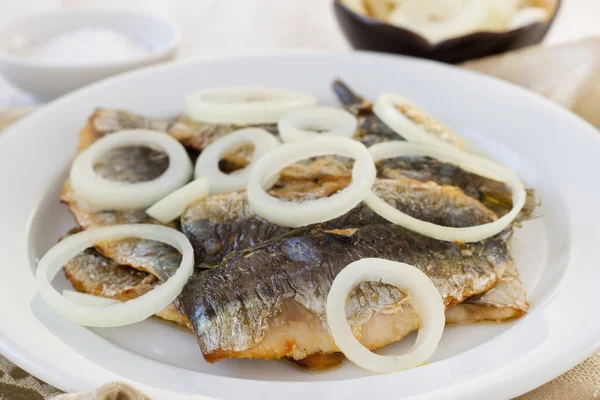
column 568, row 75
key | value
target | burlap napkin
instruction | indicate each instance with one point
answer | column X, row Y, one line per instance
column 567, row 74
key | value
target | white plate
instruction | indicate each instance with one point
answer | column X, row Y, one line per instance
column 551, row 149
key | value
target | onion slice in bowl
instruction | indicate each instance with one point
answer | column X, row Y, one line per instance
column 303, row 123
column 440, row 20
column 294, row 215
column 244, row 105
column 528, row 16
column 208, row 162
column 426, row 298
column 412, row 123
column 172, row 206
column 105, row 194
column 120, row 313
column 468, row 162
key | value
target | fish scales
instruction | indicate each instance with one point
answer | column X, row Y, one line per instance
column 493, row 194
column 130, row 164
column 230, row 305
column 220, row 224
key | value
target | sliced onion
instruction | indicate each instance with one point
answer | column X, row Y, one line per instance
column 440, row 20
column 528, row 16
column 120, row 313
column 86, row 299
column 427, row 302
column 208, row 162
column 500, row 14
column 305, row 122
column 295, row 214
column 244, row 105
column 172, row 206
column 468, row 162
column 105, row 194
column 427, row 130
column 356, row 6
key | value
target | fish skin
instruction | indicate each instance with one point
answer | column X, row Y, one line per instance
column 92, row 273
column 106, row 120
column 131, row 164
column 493, row 194
column 232, row 305
column 218, row 225
column 139, row 217
column 138, row 164
column 372, row 130
column 198, row 135
column 156, row 258
column 506, row 300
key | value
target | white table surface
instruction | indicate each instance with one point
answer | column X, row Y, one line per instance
column 216, row 27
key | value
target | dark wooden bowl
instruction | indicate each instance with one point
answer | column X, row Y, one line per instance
column 366, row 33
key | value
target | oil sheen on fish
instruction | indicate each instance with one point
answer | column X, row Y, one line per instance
column 268, row 301
column 220, row 224
column 493, row 194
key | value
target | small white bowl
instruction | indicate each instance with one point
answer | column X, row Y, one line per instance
column 47, row 81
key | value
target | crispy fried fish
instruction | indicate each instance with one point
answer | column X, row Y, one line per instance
column 372, row 130
column 506, row 300
column 104, row 121
column 198, row 135
column 268, row 301
column 220, row 224
column 128, row 164
column 493, row 194
column 92, row 273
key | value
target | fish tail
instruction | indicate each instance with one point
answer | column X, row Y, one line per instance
column 347, row 97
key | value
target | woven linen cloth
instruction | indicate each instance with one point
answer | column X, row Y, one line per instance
column 567, row 74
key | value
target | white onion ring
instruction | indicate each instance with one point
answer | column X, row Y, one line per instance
column 427, row 302
column 294, row 214
column 385, row 109
column 208, row 163
column 302, row 123
column 172, row 206
column 468, row 162
column 122, row 313
column 86, row 299
column 461, row 17
column 104, row 194
column 244, row 105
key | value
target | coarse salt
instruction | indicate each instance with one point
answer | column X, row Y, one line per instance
column 80, row 47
